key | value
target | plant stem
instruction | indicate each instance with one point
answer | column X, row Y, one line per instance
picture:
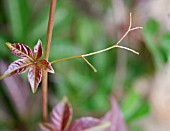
column 47, row 52
column 106, row 49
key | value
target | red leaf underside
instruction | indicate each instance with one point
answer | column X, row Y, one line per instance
column 38, row 50
column 34, row 77
column 20, row 50
column 61, row 115
column 17, row 67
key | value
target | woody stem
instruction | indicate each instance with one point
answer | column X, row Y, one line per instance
column 47, row 52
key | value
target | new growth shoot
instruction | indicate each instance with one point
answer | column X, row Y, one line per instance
column 106, row 49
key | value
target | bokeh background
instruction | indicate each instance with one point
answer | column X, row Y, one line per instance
column 140, row 84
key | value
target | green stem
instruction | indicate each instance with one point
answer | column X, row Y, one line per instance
column 106, row 49
column 64, row 59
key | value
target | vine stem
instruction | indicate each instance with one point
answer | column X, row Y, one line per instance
column 106, row 49
column 47, row 52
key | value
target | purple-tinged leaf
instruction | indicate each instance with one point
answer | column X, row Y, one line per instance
column 17, row 67
column 46, row 127
column 38, row 50
column 34, row 77
column 20, row 50
column 45, row 65
column 61, row 115
column 114, row 117
column 84, row 123
column 18, row 96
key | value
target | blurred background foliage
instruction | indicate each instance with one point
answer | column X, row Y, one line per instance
column 83, row 26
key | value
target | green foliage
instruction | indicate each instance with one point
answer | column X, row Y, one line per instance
column 165, row 42
column 151, row 31
column 134, row 106
column 157, row 44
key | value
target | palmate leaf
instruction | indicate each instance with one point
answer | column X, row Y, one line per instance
column 29, row 60
column 20, row 50
column 34, row 77
column 61, row 115
column 17, row 67
column 38, row 50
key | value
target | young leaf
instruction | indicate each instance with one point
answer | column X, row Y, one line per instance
column 84, row 123
column 61, row 115
column 34, row 77
column 38, row 50
column 20, row 50
column 29, row 60
column 17, row 67
column 45, row 65
column 114, row 117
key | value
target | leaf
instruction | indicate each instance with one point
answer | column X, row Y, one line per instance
column 29, row 61
column 164, row 43
column 38, row 50
column 134, row 106
column 34, row 77
column 84, row 123
column 114, row 117
column 45, row 65
column 46, row 127
column 61, row 115
column 15, row 19
column 150, row 33
column 20, row 50
column 152, row 27
column 17, row 67
column 18, row 96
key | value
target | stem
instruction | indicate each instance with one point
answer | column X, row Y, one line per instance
column 64, row 59
column 94, row 69
column 106, row 49
column 126, row 48
column 47, row 52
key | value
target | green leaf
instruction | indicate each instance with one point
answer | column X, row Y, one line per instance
column 165, row 43
column 143, row 110
column 134, row 107
column 150, row 33
column 15, row 19
column 151, row 27
column 38, row 29
column 3, row 49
